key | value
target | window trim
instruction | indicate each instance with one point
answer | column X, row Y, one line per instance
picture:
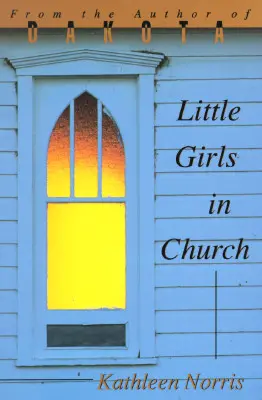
column 105, row 90
column 87, row 63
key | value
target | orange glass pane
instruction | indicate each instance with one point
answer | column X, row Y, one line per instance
column 86, row 149
column 58, row 159
column 113, row 159
column 86, row 256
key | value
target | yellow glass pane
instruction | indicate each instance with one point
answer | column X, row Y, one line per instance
column 86, row 149
column 113, row 160
column 86, row 256
column 58, row 159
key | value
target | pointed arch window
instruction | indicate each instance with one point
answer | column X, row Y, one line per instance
column 86, row 210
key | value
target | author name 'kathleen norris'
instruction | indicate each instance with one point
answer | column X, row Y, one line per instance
column 193, row 382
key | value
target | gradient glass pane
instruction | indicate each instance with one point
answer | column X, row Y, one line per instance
column 86, row 256
column 113, row 159
column 58, row 159
column 86, row 149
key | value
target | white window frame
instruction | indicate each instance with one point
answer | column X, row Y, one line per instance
column 86, row 63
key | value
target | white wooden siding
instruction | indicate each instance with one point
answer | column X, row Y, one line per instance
column 185, row 291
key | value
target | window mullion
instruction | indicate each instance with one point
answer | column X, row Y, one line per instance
column 99, row 141
column 72, row 148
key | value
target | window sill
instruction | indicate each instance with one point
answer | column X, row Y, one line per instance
column 86, row 362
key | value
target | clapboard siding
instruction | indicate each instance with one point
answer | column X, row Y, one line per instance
column 8, row 185
column 236, row 91
column 8, row 94
column 203, row 298
column 8, row 162
column 228, row 321
column 233, row 137
column 240, row 321
column 8, row 324
column 209, row 229
column 167, row 115
column 182, row 345
column 207, row 184
column 8, row 278
column 245, row 160
column 203, row 275
column 8, row 301
column 8, row 139
column 185, row 291
column 8, row 209
column 185, row 321
column 211, row 68
column 185, row 299
column 7, row 348
column 8, row 232
column 240, row 343
column 8, row 255
column 240, row 206
column 173, row 248
column 8, row 117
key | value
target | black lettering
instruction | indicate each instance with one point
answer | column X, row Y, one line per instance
column 180, row 117
column 178, row 161
column 241, row 248
column 164, row 247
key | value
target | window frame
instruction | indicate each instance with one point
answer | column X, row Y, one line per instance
column 106, row 91
column 87, row 63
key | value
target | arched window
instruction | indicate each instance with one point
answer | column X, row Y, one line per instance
column 86, row 210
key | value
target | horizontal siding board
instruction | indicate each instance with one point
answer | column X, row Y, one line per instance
column 8, row 163
column 246, row 160
column 8, row 232
column 8, row 139
column 203, row 298
column 185, row 299
column 209, row 229
column 8, row 185
column 185, row 321
column 7, row 93
column 8, row 255
column 8, row 278
column 174, row 249
column 167, row 115
column 230, row 321
column 7, row 348
column 8, row 117
column 166, row 276
column 8, row 324
column 240, row 343
column 234, row 137
column 211, row 68
column 207, row 184
column 242, row 275
column 180, row 345
column 192, row 206
column 239, row 298
column 204, row 275
column 239, row 321
column 8, row 209
column 8, row 301
column 235, row 90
